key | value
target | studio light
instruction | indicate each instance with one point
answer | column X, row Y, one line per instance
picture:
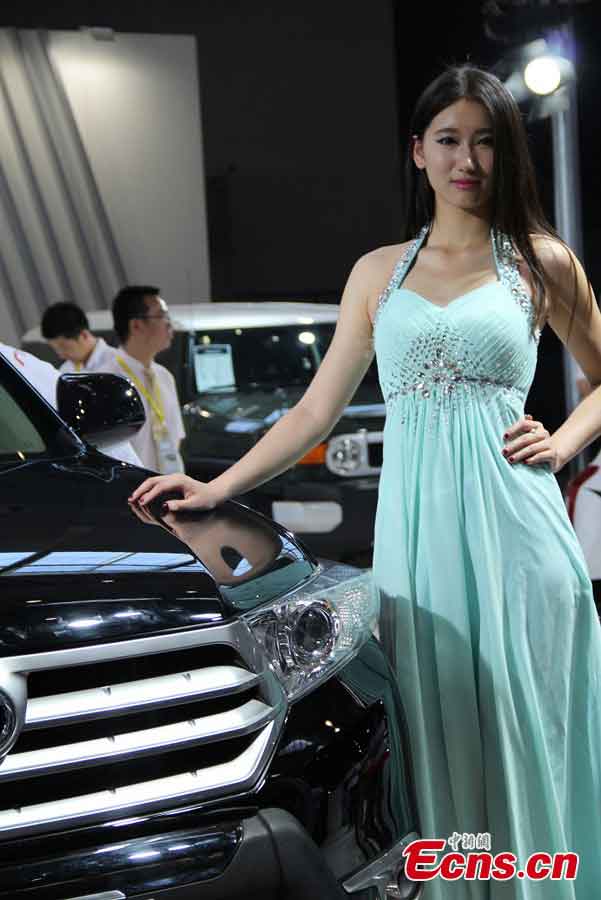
column 543, row 75
column 538, row 76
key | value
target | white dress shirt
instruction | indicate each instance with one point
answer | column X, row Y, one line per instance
column 144, row 442
column 96, row 361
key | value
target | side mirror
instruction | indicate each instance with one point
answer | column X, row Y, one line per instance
column 102, row 408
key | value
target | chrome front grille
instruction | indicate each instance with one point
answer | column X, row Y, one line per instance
column 135, row 726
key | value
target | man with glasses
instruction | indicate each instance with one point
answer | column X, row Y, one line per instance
column 141, row 321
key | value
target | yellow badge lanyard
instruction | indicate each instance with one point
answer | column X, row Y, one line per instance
column 155, row 401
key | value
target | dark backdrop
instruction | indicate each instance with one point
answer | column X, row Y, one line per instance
column 305, row 107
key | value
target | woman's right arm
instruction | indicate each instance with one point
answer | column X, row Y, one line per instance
column 310, row 420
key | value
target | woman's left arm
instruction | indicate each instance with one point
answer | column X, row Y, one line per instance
column 575, row 318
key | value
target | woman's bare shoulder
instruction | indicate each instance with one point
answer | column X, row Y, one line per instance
column 566, row 280
column 388, row 252
column 377, row 265
column 372, row 272
column 555, row 256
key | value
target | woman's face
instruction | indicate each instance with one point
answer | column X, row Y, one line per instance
column 457, row 154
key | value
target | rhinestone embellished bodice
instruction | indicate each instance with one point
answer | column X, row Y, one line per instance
column 480, row 348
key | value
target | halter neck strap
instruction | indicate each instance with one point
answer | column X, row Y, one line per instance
column 400, row 269
column 505, row 262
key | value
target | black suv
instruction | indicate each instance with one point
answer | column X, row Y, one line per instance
column 190, row 706
column 239, row 367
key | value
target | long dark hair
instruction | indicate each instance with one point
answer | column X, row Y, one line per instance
column 515, row 205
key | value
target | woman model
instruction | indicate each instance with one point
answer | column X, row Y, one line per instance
column 486, row 601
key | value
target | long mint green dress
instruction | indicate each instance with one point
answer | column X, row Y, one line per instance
column 487, row 607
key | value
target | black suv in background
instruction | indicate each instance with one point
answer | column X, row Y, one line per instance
column 238, row 368
column 190, row 706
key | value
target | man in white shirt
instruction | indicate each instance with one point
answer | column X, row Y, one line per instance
column 66, row 328
column 141, row 320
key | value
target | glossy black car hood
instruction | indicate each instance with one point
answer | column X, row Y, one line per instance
column 76, row 564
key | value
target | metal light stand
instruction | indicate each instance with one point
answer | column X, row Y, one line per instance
column 568, row 213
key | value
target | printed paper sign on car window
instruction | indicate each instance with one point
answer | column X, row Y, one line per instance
column 213, row 367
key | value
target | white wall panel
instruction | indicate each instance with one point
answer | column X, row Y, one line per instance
column 136, row 101
column 101, row 175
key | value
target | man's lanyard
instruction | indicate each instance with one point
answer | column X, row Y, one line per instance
column 155, row 400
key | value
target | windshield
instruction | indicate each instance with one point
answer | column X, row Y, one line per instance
column 28, row 427
column 18, row 435
column 250, row 358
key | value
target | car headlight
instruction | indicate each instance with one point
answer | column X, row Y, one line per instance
column 345, row 454
column 312, row 632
